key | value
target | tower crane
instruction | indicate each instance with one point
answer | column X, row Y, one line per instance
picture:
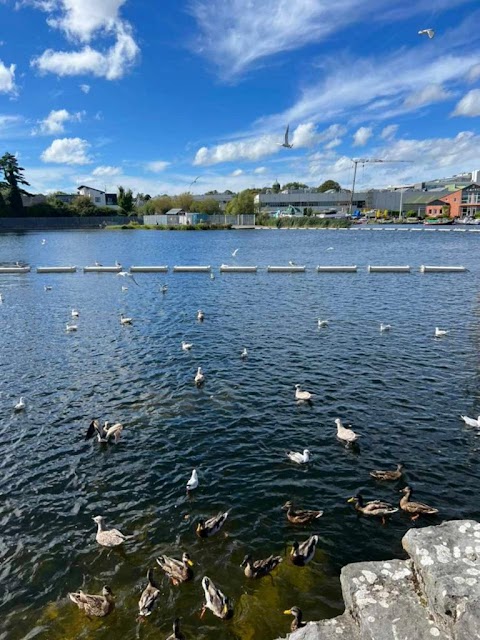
column 356, row 162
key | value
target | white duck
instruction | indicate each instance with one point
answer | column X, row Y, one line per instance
column 347, row 435
column 20, row 406
column 186, row 346
column 471, row 422
column 193, row 482
column 124, row 320
column 108, row 537
column 299, row 458
column 199, row 377
column 302, row 395
column 440, row 332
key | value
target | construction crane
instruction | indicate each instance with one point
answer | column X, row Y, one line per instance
column 358, row 161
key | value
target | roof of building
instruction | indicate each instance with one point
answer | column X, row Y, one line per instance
column 438, row 202
column 175, row 212
column 84, row 186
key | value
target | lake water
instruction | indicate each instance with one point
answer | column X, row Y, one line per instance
column 403, row 391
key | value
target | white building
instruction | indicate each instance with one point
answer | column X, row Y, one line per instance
column 98, row 197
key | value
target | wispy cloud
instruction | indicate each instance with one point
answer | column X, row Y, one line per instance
column 362, row 136
column 469, row 105
column 427, row 95
column 55, row 122
column 106, row 171
column 156, row 166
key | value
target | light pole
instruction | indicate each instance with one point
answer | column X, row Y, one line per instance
column 401, row 204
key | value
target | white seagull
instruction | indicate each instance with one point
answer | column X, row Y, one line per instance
column 322, row 323
column 429, row 32
column 117, row 263
column 347, row 435
column 244, row 353
column 71, row 327
column 385, row 327
column 291, row 263
column 1, row 298
column 47, row 288
column 44, row 241
column 186, row 346
column 104, row 433
column 164, row 288
column 200, row 315
column 302, row 395
column 234, row 253
column 471, row 421
column 108, row 537
column 20, row 406
column 75, row 313
column 299, row 458
column 124, row 288
column 199, row 377
column 98, row 264
column 286, row 143
column 193, row 482
column 124, row 320
column 126, row 274
column 440, row 332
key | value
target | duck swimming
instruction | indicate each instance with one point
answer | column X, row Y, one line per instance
column 108, row 537
column 301, row 554
column 300, row 516
column 388, row 476
column 177, row 634
column 104, row 433
column 216, row 601
column 94, row 606
column 207, row 528
column 416, row 509
column 374, row 508
column 148, row 597
column 177, row 570
column 259, row 568
column 297, row 614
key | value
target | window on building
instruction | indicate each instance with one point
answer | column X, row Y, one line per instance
column 97, row 199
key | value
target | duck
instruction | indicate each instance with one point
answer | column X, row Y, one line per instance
column 148, row 597
column 440, row 332
column 216, row 601
column 199, row 377
column 177, row 570
column 124, row 320
column 193, row 482
column 322, row 323
column 104, row 433
column 385, row 327
column 108, row 537
column 94, row 606
column 75, row 313
column 244, row 353
column 259, row 568
column 471, row 422
column 302, row 395
column 388, row 475
column 302, row 553
column 207, row 528
column 300, row 516
column 297, row 614
column 374, row 508
column 71, row 327
column 186, row 346
column 200, row 315
column 346, row 435
column 20, row 406
column 177, row 634
column 299, row 458
column 416, row 509
column 164, row 288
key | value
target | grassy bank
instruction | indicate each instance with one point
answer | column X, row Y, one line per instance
column 282, row 223
column 172, row 227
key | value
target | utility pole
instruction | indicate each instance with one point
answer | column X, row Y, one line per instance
column 358, row 161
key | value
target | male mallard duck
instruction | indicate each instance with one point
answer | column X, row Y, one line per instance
column 376, row 508
column 97, row 606
column 104, row 433
column 148, row 597
column 297, row 614
column 259, row 568
column 207, row 528
column 416, row 509
column 216, row 601
column 388, row 475
column 108, row 537
column 177, row 634
column 300, row 516
column 302, row 553
column 177, row 570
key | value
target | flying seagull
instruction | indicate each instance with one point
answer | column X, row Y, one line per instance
column 193, row 181
column 234, row 253
column 429, row 32
column 285, row 143
column 126, row 274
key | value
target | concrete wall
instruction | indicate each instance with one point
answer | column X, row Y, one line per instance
column 247, row 220
column 67, row 222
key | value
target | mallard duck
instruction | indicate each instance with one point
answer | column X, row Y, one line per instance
column 297, row 614
column 216, row 601
column 300, row 516
column 302, row 395
column 207, row 528
column 301, row 554
column 416, row 509
column 177, row 634
column 104, row 433
column 299, row 458
column 148, row 597
column 346, row 435
column 375, row 508
column 259, row 568
column 177, row 570
column 388, row 475
column 108, row 537
column 96, row 606
column 193, row 482
column 199, row 377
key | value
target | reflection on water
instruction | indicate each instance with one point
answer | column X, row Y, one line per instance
column 402, row 391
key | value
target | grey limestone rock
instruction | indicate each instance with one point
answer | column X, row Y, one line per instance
column 341, row 628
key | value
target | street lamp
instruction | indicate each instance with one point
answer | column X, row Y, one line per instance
column 401, row 204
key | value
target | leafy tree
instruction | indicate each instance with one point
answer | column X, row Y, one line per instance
column 13, row 176
column 276, row 187
column 160, row 204
column 3, row 206
column 294, row 186
column 328, row 185
column 212, row 193
column 184, row 201
column 83, row 206
column 125, row 200
column 209, row 205
column 241, row 203
column 229, row 193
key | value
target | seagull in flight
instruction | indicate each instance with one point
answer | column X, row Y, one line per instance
column 125, row 274
column 193, row 182
column 234, row 253
column 286, row 143
column 429, row 32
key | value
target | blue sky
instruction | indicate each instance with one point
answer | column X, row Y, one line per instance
column 151, row 94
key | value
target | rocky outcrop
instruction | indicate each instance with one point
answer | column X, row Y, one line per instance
column 433, row 594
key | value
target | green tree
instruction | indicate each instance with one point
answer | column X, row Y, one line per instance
column 83, row 206
column 125, row 200
column 13, row 176
column 276, row 187
column 209, row 205
column 160, row 204
column 294, row 186
column 3, row 206
column 328, row 185
column 242, row 203
column 184, row 201
column 212, row 193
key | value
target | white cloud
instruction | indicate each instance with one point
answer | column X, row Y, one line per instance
column 67, row 151
column 156, row 166
column 389, row 131
column 469, row 105
column 474, row 73
column 81, row 19
column 428, row 94
column 106, row 171
column 305, row 135
column 237, row 172
column 362, row 136
column 54, row 123
column 85, row 88
column 7, row 78
column 333, row 143
column 260, row 171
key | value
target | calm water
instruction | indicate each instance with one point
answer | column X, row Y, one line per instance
column 403, row 391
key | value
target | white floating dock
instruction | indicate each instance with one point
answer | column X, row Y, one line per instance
column 192, row 269
column 225, row 268
column 96, row 269
column 56, row 269
column 336, row 269
column 149, row 269
column 441, row 269
column 388, row 269
column 286, row 269
column 14, row 269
